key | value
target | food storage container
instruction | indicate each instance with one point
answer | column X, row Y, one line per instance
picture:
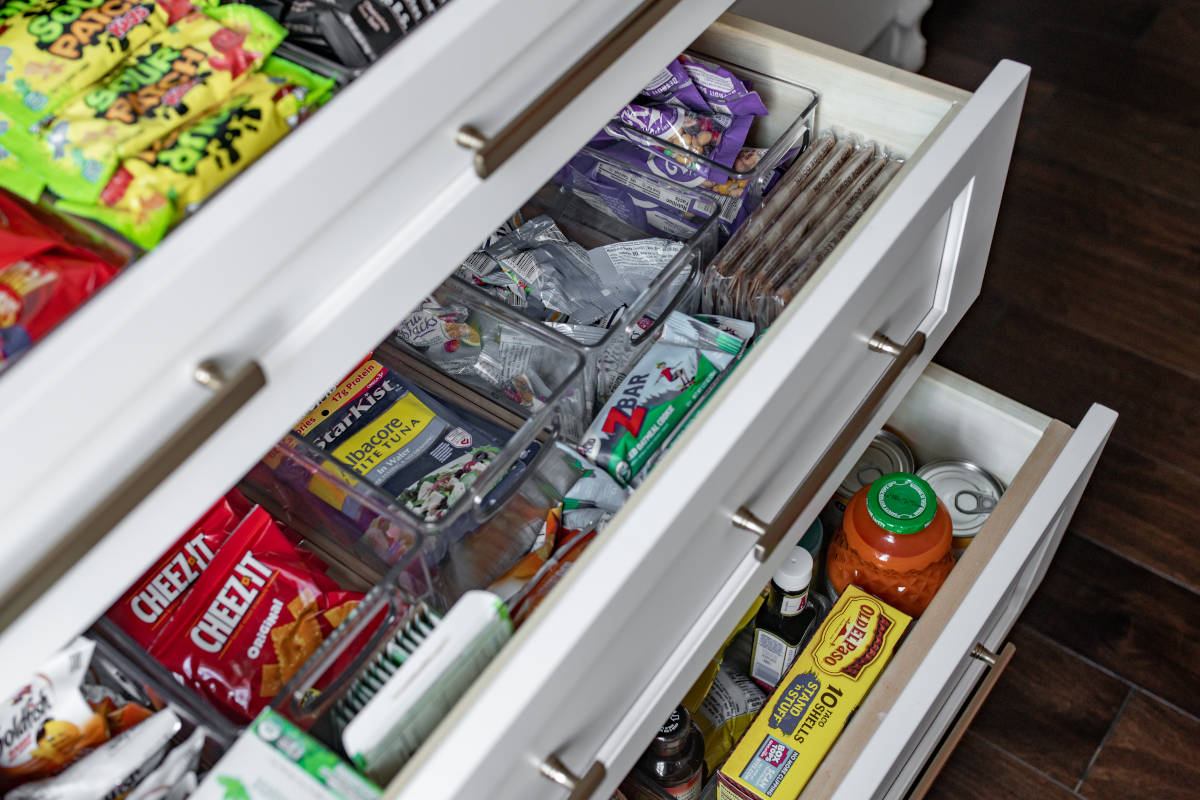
column 738, row 190
column 490, row 527
column 467, row 336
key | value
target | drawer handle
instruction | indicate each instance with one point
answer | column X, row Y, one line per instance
column 580, row 788
column 492, row 151
column 770, row 534
column 230, row 393
column 996, row 665
column 981, row 653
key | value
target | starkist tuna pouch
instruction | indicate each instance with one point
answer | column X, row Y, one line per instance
column 153, row 189
column 402, row 439
column 657, row 395
column 173, row 78
column 50, row 50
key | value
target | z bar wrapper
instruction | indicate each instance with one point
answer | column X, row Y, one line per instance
column 785, row 745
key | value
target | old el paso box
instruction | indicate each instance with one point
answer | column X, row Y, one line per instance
column 809, row 708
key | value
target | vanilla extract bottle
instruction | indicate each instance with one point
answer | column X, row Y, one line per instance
column 786, row 621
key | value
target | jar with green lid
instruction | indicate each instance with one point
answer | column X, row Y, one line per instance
column 894, row 542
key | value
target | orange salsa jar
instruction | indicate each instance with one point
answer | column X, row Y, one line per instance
column 894, row 542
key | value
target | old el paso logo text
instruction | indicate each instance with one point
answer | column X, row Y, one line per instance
column 627, row 411
column 858, row 642
column 794, row 702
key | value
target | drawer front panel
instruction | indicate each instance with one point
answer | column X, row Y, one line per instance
column 620, row 614
column 301, row 270
column 889, row 761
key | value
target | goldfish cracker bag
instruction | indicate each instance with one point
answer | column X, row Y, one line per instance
column 254, row 616
column 174, row 78
column 51, row 50
column 48, row 724
column 152, row 189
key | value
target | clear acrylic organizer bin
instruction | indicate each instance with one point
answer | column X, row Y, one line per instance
column 676, row 288
column 311, row 696
column 738, row 190
column 119, row 659
column 515, row 361
column 485, row 532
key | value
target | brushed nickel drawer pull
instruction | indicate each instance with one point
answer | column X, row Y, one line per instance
column 230, row 393
column 580, row 788
column 771, row 533
column 492, row 151
column 882, row 344
column 996, row 666
column 981, row 653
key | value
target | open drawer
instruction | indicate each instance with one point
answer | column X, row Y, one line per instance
column 593, row 666
column 886, row 746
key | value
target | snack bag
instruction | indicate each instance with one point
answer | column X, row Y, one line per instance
column 717, row 137
column 674, row 86
column 179, row 763
column 111, row 770
column 48, row 724
column 174, row 78
column 51, row 50
column 725, row 714
column 153, row 598
column 724, row 92
column 657, row 394
column 402, row 439
column 252, row 619
column 152, row 189
column 42, row 277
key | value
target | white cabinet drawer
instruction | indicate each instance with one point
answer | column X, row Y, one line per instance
column 593, row 664
column 886, row 745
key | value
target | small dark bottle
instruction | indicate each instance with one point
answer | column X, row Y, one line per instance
column 786, row 621
column 675, row 760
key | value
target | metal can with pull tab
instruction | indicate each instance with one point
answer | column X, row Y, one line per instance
column 887, row 453
column 968, row 491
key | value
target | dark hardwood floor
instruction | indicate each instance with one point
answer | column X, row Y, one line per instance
column 1093, row 294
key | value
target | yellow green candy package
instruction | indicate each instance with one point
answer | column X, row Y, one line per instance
column 154, row 188
column 175, row 77
column 50, row 50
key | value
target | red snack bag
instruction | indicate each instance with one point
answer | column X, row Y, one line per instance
column 571, row 547
column 238, row 502
column 43, row 277
column 153, row 598
column 253, row 618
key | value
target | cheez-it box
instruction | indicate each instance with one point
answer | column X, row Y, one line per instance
column 791, row 735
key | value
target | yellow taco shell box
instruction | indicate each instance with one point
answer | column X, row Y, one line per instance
column 791, row 735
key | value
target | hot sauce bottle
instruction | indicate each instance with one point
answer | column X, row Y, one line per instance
column 786, row 621
column 675, row 759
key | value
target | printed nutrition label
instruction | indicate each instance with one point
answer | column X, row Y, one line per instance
column 772, row 657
